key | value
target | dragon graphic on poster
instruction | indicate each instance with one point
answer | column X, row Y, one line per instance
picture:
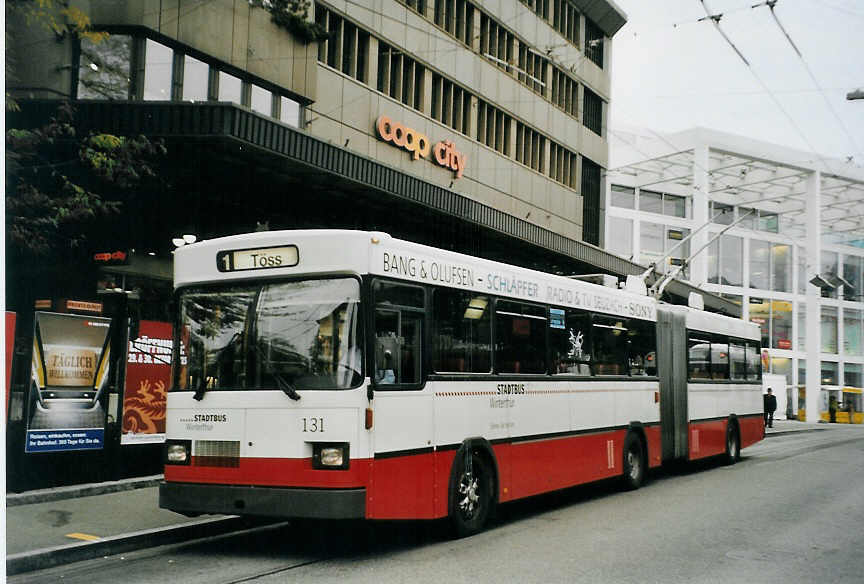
column 144, row 411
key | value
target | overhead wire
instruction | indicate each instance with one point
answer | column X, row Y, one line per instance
column 771, row 4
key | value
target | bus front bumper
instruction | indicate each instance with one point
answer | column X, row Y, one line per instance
column 195, row 498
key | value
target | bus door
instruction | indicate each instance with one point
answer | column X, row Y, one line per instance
column 672, row 371
column 402, row 471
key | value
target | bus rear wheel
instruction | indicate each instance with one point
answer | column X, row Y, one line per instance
column 634, row 462
column 733, row 445
column 471, row 497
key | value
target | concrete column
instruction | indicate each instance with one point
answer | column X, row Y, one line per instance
column 699, row 266
column 813, row 341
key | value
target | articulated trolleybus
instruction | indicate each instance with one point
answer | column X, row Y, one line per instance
column 347, row 374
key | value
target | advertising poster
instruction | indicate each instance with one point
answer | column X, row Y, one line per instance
column 148, row 374
column 10, row 352
column 70, row 371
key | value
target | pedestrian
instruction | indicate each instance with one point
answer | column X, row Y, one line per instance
column 850, row 407
column 832, row 409
column 770, row 403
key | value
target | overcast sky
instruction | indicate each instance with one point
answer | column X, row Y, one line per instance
column 671, row 72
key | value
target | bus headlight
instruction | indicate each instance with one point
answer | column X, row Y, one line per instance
column 177, row 452
column 330, row 456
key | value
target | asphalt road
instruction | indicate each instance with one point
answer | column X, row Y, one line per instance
column 791, row 511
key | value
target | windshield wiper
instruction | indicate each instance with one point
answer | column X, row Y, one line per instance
column 286, row 386
column 202, row 385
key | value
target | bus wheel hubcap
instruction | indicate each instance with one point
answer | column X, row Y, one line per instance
column 468, row 492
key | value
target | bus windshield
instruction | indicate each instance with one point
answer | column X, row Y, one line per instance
column 268, row 335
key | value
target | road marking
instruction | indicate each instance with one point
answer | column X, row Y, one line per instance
column 84, row 536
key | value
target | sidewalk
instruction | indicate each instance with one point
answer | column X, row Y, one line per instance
column 56, row 526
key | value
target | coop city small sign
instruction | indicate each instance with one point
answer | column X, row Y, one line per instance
column 401, row 136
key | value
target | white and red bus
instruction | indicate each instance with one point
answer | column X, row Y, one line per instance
column 348, row 374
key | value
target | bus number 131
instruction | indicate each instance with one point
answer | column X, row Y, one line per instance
column 313, row 424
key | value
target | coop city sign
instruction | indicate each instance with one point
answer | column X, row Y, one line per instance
column 444, row 152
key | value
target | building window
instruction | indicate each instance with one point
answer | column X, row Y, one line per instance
column 418, row 6
column 802, row 328
column 651, row 202
column 768, row 222
column 781, row 267
column 852, row 272
column 594, row 43
column 451, row 105
column 565, row 92
column 400, row 76
column 530, row 147
column 760, row 264
column 722, row 214
column 457, row 18
column 853, row 332
column 828, row 270
column 622, row 242
column 230, row 88
column 591, row 188
column 852, row 377
column 726, row 261
column 260, row 100
column 532, row 69
column 493, row 127
column 657, row 240
column 592, row 114
column 624, row 197
column 760, row 313
column 781, row 324
column 496, row 43
column 540, row 7
column 562, row 165
column 802, row 271
column 829, row 373
column 158, row 63
column 829, row 329
column 347, row 46
column 104, row 71
column 196, row 77
column 565, row 20
column 289, row 111
column 674, row 206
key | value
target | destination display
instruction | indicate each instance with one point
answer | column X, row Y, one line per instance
column 262, row 258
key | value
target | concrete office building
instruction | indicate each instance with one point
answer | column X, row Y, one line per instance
column 793, row 257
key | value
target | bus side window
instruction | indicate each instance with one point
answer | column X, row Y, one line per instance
column 570, row 341
column 609, row 337
column 642, row 339
column 398, row 348
column 699, row 358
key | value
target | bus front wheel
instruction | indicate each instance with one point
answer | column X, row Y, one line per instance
column 471, row 493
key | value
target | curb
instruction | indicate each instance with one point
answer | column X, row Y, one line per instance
column 86, row 490
column 76, row 552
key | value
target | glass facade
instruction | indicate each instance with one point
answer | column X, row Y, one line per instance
column 621, row 242
column 829, row 329
column 624, row 197
column 829, row 373
column 828, row 270
column 781, row 267
column 852, row 374
column 726, row 260
column 760, row 264
column 853, row 333
column 781, row 325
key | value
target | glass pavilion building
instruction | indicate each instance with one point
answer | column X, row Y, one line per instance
column 791, row 251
